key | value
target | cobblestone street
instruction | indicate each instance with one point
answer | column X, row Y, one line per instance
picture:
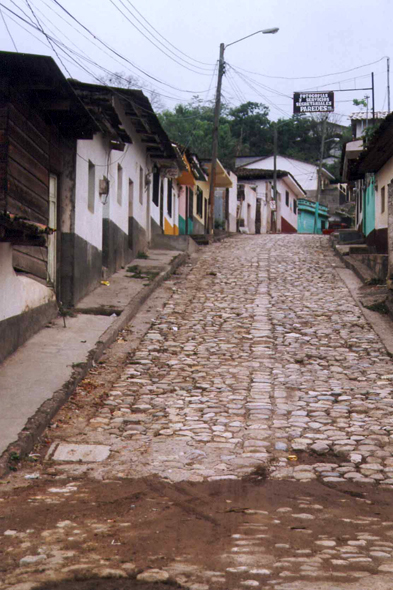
column 261, row 371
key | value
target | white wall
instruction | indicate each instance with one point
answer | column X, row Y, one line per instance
column 232, row 205
column 155, row 209
column 284, row 211
column 88, row 225
column 248, row 209
column 306, row 174
column 262, row 187
column 383, row 178
column 18, row 293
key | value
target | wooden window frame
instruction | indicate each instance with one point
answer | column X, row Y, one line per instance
column 199, row 203
column 141, row 184
column 91, row 186
column 169, row 197
column 119, row 184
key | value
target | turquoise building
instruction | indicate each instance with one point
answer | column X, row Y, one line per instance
column 312, row 217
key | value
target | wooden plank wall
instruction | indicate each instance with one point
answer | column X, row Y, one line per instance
column 28, row 178
column 3, row 155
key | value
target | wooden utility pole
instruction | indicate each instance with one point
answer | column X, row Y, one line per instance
column 217, row 109
column 372, row 94
column 320, row 173
column 275, row 172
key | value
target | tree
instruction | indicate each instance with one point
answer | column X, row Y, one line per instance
column 122, row 80
column 251, row 128
column 246, row 130
column 191, row 125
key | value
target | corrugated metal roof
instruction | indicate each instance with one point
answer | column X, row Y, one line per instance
column 363, row 116
column 259, row 174
column 99, row 100
column 377, row 153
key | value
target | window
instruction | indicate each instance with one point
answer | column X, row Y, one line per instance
column 199, row 193
column 119, row 184
column 169, row 198
column 287, row 198
column 383, row 200
column 91, row 190
column 190, row 202
column 141, row 184
column 295, row 206
column 156, row 187
column 130, row 198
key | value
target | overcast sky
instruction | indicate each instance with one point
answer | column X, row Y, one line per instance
column 316, row 38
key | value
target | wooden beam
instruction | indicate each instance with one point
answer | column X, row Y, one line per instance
column 55, row 105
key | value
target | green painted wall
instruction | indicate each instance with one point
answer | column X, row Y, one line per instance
column 305, row 222
column 369, row 207
column 182, row 226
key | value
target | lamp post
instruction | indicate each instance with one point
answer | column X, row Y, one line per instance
column 221, row 67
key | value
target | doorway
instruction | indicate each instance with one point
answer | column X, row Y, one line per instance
column 162, row 204
column 130, row 214
column 52, row 222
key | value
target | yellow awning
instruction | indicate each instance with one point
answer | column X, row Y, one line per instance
column 186, row 177
column 222, row 179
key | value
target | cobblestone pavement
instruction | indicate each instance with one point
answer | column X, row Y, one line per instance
column 261, row 354
column 260, row 358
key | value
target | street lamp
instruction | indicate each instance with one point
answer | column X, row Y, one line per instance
column 217, row 107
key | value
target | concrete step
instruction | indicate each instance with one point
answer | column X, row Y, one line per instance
column 201, row 239
column 361, row 270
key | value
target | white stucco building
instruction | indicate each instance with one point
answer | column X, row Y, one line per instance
column 304, row 173
column 110, row 219
column 274, row 216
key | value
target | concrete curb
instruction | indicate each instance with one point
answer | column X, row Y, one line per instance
column 362, row 272
column 38, row 423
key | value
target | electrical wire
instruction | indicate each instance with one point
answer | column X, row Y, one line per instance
column 44, row 33
column 263, row 86
column 155, row 45
column 106, row 165
column 121, row 56
column 67, row 50
column 165, row 39
column 314, row 77
column 8, row 31
column 250, row 85
column 106, row 71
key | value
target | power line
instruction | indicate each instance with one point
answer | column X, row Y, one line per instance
column 120, row 55
column 313, row 77
column 250, row 85
column 59, row 43
column 8, row 31
column 155, row 45
column 165, row 39
column 263, row 86
column 74, row 61
column 44, row 33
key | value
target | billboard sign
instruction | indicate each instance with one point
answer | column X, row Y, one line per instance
column 313, row 102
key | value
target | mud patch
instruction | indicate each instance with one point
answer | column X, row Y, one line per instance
column 309, row 458
column 187, row 529
column 106, row 584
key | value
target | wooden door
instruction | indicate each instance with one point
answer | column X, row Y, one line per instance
column 162, row 204
column 51, row 267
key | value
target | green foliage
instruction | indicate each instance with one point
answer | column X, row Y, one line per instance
column 362, row 102
column 369, row 133
column 246, row 130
